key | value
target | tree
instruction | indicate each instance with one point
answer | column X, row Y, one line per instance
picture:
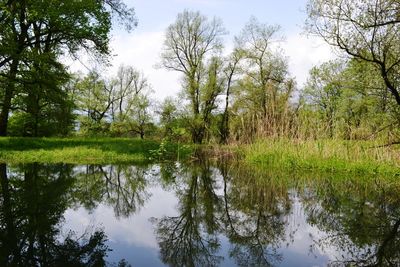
column 129, row 83
column 32, row 30
column 130, row 113
column 43, row 105
column 168, row 116
column 366, row 30
column 261, row 98
column 120, row 103
column 189, row 41
column 95, row 98
column 323, row 90
column 230, row 70
column 263, row 66
column 348, row 99
column 140, row 116
column 367, row 107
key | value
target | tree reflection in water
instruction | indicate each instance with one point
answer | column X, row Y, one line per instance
column 190, row 239
column 255, row 217
column 122, row 187
column 222, row 207
column 250, row 215
column 32, row 204
column 359, row 217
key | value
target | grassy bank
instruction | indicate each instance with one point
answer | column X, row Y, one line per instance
column 87, row 150
column 324, row 155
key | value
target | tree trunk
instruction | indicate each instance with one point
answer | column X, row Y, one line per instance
column 9, row 93
column 198, row 134
column 12, row 250
column 390, row 86
column 225, row 117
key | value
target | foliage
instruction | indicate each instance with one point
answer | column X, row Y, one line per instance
column 364, row 30
column 119, row 106
column 348, row 100
column 35, row 35
column 191, row 46
column 261, row 97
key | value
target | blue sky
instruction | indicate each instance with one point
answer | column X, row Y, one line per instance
column 157, row 14
column 142, row 47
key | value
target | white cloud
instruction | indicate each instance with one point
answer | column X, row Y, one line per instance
column 304, row 53
column 135, row 230
column 143, row 52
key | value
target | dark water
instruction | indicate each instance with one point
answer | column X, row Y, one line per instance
column 196, row 214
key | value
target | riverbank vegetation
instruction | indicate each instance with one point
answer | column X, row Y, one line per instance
column 364, row 157
column 89, row 150
column 346, row 117
column 340, row 156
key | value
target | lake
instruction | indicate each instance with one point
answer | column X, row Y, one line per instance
column 202, row 213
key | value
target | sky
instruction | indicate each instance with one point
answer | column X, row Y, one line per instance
column 142, row 47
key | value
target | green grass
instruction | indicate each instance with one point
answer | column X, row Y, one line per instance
column 87, row 150
column 324, row 155
column 336, row 156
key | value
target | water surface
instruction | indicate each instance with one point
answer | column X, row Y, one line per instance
column 195, row 214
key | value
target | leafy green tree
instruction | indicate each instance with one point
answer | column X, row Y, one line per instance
column 118, row 105
column 95, row 98
column 35, row 34
column 261, row 101
column 230, row 71
column 323, row 91
column 168, row 116
column 365, row 30
column 131, row 112
column 366, row 109
column 348, row 100
column 44, row 105
column 129, row 83
column 190, row 40
column 140, row 115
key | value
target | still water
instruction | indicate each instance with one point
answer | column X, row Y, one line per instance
column 194, row 214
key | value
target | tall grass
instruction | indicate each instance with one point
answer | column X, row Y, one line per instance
column 86, row 150
column 325, row 155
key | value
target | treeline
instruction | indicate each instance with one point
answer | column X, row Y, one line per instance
column 36, row 37
column 240, row 96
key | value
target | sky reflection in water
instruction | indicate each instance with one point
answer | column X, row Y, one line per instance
column 197, row 214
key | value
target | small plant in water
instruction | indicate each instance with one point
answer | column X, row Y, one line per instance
column 160, row 152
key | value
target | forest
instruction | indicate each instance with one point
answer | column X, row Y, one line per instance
column 242, row 95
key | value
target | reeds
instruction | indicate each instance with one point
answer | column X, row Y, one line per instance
column 326, row 155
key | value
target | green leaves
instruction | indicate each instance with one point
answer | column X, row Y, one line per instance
column 35, row 34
